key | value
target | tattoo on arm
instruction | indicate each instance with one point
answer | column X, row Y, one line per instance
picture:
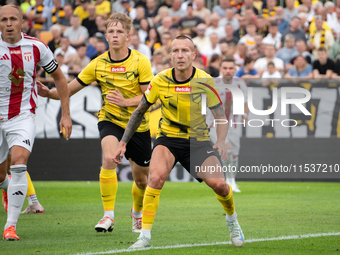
column 135, row 119
column 218, row 113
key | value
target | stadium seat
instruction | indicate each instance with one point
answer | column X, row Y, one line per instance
column 46, row 36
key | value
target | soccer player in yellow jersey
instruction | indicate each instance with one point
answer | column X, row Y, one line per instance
column 123, row 76
column 182, row 136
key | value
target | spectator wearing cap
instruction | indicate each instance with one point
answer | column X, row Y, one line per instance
column 77, row 34
column 201, row 11
column 212, row 48
column 214, row 27
column 103, row 7
column 230, row 38
column 117, row 6
column 221, row 8
column 290, row 10
column 66, row 48
column 294, row 30
column 300, row 69
column 201, row 40
column 128, row 9
column 138, row 46
column 274, row 36
column 323, row 67
column 184, row 5
column 261, row 26
column 249, row 38
column 248, row 70
column 90, row 21
column 55, row 42
column 81, row 10
column 320, row 38
column 269, row 56
column 282, row 24
column 248, row 4
column 286, row 52
column 190, row 22
column 176, row 12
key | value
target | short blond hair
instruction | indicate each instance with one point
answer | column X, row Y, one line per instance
column 121, row 18
column 15, row 7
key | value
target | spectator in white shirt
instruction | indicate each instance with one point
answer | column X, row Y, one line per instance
column 261, row 64
column 212, row 48
column 215, row 28
column 201, row 40
column 271, row 72
column 274, row 36
column 140, row 47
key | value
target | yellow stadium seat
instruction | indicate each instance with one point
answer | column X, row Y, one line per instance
column 46, row 36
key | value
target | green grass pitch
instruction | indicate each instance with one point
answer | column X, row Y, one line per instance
column 189, row 213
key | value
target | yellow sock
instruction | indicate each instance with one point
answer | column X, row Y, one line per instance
column 137, row 197
column 30, row 187
column 108, row 188
column 150, row 206
column 227, row 202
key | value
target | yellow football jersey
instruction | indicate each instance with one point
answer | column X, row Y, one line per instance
column 126, row 75
column 182, row 103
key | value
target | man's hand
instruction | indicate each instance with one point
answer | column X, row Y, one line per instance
column 222, row 149
column 115, row 97
column 65, row 125
column 43, row 90
column 119, row 153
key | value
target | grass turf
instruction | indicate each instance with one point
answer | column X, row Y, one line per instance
column 188, row 213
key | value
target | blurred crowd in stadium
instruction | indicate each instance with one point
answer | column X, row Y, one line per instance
column 299, row 39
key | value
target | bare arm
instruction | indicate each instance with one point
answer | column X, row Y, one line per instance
column 61, row 85
column 134, row 122
column 115, row 97
column 73, row 87
column 221, row 131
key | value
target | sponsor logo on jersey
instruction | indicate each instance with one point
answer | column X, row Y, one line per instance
column 183, row 89
column 28, row 56
column 15, row 52
column 118, row 69
column 4, row 57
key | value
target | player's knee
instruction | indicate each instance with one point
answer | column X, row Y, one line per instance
column 220, row 188
column 141, row 184
column 108, row 160
column 157, row 181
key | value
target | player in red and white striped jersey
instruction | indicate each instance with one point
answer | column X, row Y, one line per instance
column 235, row 131
column 19, row 56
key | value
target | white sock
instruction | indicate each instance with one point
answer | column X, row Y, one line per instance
column 16, row 193
column 230, row 218
column 32, row 199
column 5, row 183
column 146, row 233
column 137, row 214
column 109, row 214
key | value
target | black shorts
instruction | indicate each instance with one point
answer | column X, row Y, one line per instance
column 138, row 148
column 190, row 153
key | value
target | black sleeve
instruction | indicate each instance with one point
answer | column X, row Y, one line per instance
column 51, row 67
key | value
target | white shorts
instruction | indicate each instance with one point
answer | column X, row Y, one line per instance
column 19, row 131
column 233, row 137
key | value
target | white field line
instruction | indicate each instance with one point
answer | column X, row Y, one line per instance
column 210, row 244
